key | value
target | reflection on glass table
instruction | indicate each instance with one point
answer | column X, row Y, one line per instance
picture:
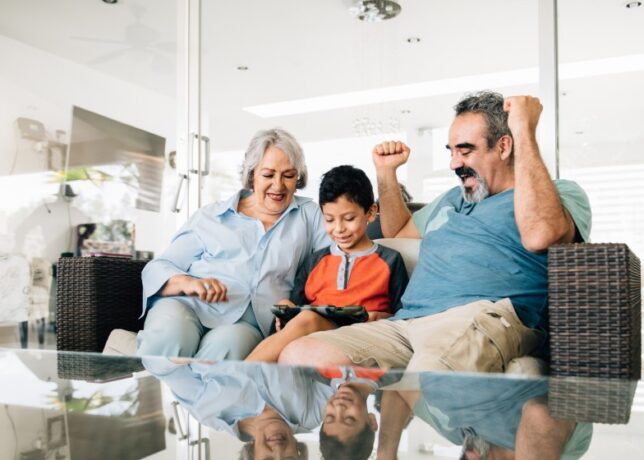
column 59, row 405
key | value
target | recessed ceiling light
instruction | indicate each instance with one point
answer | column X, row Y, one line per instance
column 242, row 68
column 110, row 2
column 455, row 85
column 579, row 133
column 633, row 5
column 413, row 40
column 405, row 111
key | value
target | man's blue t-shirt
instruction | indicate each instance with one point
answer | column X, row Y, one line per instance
column 473, row 251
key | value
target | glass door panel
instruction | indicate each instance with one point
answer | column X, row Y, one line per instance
column 601, row 139
column 87, row 135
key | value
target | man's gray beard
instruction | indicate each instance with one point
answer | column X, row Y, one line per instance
column 477, row 444
column 481, row 192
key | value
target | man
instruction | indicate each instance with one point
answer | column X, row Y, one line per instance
column 497, row 417
column 477, row 297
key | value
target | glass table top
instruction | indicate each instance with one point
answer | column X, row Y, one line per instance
column 61, row 405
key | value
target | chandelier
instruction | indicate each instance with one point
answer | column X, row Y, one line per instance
column 374, row 10
column 367, row 126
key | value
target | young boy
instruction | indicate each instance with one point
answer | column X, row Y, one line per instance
column 352, row 271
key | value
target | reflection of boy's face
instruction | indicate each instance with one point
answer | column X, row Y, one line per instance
column 345, row 415
column 274, row 440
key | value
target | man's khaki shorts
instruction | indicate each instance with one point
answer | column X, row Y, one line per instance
column 481, row 336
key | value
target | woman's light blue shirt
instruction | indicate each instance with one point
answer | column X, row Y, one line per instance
column 257, row 266
column 220, row 395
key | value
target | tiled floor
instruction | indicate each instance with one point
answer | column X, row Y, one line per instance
column 10, row 337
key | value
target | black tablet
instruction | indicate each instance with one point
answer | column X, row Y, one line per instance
column 341, row 316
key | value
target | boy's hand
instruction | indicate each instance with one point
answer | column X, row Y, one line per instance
column 278, row 322
column 286, row 302
column 376, row 315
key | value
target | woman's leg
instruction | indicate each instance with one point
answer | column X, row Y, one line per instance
column 231, row 341
column 305, row 323
column 171, row 329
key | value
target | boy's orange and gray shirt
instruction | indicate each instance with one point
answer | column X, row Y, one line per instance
column 375, row 278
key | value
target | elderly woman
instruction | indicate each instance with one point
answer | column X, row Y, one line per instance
column 209, row 294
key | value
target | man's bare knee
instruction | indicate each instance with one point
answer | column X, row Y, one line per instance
column 297, row 352
column 307, row 351
column 536, row 411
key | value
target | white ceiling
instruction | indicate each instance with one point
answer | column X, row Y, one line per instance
column 305, row 48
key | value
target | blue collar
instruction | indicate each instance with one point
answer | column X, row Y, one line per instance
column 336, row 251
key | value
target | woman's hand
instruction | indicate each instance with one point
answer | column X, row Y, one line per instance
column 376, row 315
column 207, row 289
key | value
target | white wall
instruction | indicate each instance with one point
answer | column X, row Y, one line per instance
column 356, row 151
column 320, row 157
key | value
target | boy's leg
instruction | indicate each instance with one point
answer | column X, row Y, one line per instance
column 305, row 323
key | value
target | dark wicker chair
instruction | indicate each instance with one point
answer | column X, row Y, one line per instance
column 595, row 321
column 595, row 331
column 94, row 296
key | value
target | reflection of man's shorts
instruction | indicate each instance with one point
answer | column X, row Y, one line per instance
column 482, row 336
column 579, row 442
column 575, row 447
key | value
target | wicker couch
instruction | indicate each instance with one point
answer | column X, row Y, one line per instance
column 594, row 306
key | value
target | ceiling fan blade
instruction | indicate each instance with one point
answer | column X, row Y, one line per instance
column 108, row 56
column 160, row 63
column 99, row 40
column 166, row 47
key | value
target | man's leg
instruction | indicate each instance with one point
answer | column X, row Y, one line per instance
column 171, row 329
column 307, row 351
column 540, row 436
column 395, row 411
column 377, row 343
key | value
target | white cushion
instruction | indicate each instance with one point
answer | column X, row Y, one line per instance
column 527, row 365
column 120, row 343
column 407, row 247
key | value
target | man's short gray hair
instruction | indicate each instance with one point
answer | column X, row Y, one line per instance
column 490, row 105
column 281, row 139
column 473, row 443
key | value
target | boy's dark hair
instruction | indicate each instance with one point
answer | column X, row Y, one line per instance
column 349, row 181
column 359, row 447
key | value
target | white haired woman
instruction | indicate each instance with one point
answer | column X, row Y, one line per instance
column 209, row 294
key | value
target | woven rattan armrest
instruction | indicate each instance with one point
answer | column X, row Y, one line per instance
column 94, row 296
column 595, row 331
